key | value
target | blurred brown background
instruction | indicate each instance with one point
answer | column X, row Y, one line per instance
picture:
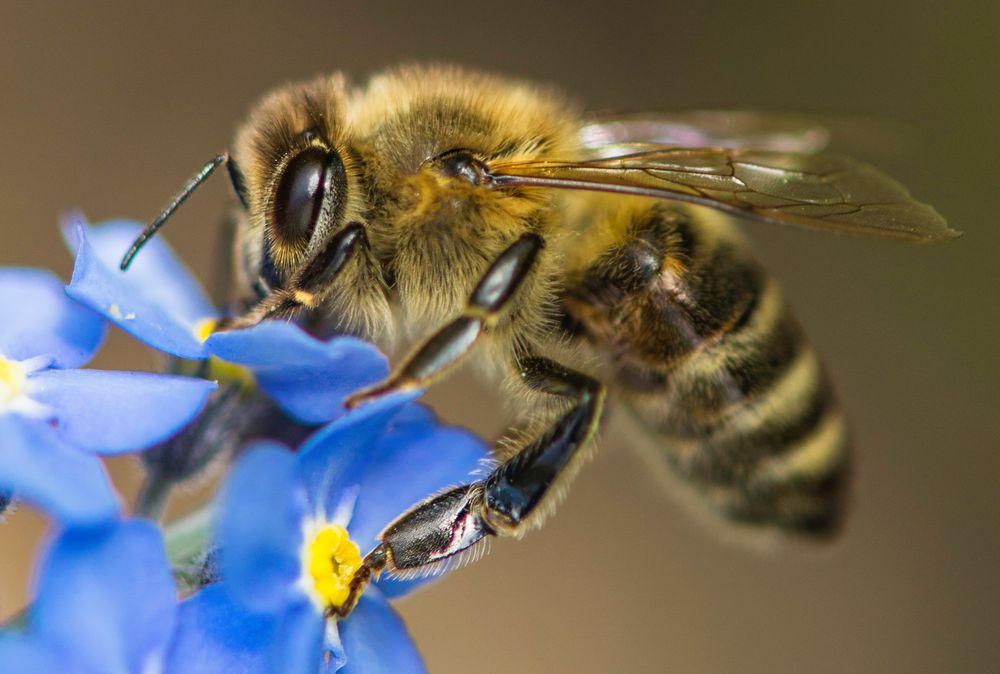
column 109, row 107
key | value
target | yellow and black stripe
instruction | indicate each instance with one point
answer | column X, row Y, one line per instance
column 701, row 345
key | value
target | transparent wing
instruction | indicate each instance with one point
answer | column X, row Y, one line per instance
column 774, row 131
column 818, row 191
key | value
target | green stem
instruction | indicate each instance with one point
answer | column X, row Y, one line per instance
column 187, row 540
column 187, row 537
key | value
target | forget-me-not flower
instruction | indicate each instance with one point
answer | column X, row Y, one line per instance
column 292, row 530
column 159, row 302
column 105, row 603
column 55, row 418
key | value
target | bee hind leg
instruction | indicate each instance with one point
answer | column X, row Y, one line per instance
column 515, row 496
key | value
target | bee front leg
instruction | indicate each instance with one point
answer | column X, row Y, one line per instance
column 488, row 303
column 304, row 288
column 515, row 496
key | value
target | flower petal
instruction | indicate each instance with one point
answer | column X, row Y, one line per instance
column 261, row 512
column 375, row 639
column 215, row 635
column 39, row 320
column 112, row 412
column 307, row 377
column 333, row 460
column 334, row 657
column 106, row 596
column 157, row 271
column 298, row 644
column 27, row 654
column 156, row 302
column 41, row 468
column 417, row 458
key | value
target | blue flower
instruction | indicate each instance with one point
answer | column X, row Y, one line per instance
column 105, row 604
column 292, row 528
column 159, row 302
column 50, row 411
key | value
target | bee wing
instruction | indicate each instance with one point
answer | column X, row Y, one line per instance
column 817, row 191
column 774, row 131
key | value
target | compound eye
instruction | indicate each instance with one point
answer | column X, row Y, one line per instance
column 299, row 197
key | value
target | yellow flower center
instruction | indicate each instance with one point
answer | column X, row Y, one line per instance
column 204, row 328
column 223, row 371
column 13, row 377
column 333, row 559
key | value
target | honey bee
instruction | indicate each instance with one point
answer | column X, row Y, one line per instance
column 577, row 257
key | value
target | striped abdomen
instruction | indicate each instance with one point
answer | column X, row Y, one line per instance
column 701, row 346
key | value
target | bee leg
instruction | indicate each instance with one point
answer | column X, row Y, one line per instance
column 516, row 489
column 516, row 495
column 304, row 288
column 487, row 305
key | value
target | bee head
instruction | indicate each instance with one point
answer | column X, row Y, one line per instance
column 301, row 176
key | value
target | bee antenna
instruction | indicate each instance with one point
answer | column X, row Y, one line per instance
column 178, row 199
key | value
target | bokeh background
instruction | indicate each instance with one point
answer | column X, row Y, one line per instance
column 109, row 106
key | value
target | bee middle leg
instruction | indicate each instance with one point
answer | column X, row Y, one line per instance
column 515, row 496
column 488, row 303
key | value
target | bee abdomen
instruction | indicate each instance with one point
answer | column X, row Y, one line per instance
column 705, row 352
column 780, row 457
